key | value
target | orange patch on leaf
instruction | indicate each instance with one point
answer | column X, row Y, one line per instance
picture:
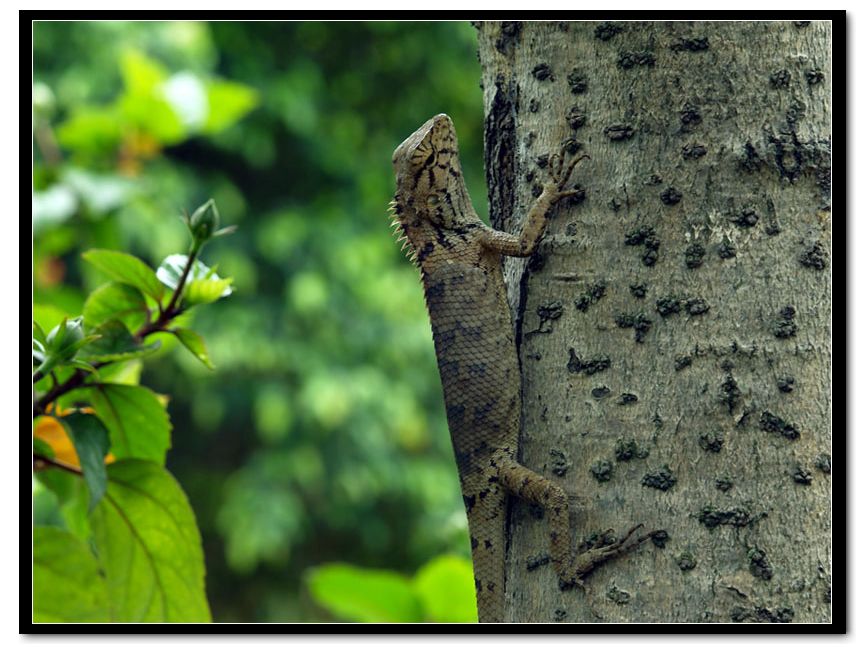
column 51, row 431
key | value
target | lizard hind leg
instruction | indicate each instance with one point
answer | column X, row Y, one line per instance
column 532, row 487
column 571, row 567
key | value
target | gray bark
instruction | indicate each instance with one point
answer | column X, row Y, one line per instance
column 698, row 266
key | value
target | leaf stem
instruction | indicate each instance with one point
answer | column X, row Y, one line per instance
column 40, row 462
column 194, row 249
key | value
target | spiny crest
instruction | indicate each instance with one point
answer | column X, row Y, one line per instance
column 399, row 232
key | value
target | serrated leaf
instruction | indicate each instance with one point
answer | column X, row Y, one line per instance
column 67, row 586
column 228, row 102
column 193, row 342
column 46, row 507
column 137, row 422
column 115, row 300
column 446, row 588
column 71, row 496
column 148, row 544
column 122, row 372
column 116, row 344
column 91, row 442
column 203, row 285
column 364, row 595
column 122, row 267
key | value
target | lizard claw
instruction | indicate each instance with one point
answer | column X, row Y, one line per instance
column 593, row 558
column 560, row 179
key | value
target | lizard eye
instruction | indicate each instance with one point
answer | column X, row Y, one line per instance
column 432, row 200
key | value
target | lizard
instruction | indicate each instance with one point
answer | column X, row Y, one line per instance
column 460, row 261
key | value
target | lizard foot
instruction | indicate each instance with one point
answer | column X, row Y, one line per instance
column 560, row 175
column 593, row 558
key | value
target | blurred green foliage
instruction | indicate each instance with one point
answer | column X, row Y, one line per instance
column 441, row 591
column 320, row 436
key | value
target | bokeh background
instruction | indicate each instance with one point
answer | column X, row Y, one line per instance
column 320, row 437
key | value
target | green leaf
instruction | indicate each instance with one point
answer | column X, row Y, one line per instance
column 137, row 422
column 116, row 344
column 122, row 267
column 148, row 544
column 446, row 589
column 81, row 364
column 91, row 442
column 205, row 291
column 46, row 316
column 364, row 595
column 153, row 115
column 46, row 507
column 122, row 372
column 228, row 102
column 202, row 284
column 67, row 586
column 91, row 130
column 141, row 74
column 193, row 342
column 71, row 495
column 143, row 103
column 42, row 448
column 115, row 300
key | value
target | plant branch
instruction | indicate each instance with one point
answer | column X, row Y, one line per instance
column 79, row 377
column 166, row 315
column 178, row 291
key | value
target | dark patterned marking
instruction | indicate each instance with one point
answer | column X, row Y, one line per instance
column 469, row 501
column 435, row 291
column 442, row 237
column 424, row 252
column 445, row 339
column 455, row 412
column 482, row 412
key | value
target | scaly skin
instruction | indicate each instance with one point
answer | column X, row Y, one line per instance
column 460, row 262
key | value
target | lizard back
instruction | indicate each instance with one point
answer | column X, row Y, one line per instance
column 477, row 363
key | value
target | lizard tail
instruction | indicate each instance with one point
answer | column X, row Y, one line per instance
column 486, row 526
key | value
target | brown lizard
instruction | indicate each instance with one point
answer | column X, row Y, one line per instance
column 460, row 262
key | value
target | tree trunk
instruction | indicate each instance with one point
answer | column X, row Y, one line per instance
column 674, row 327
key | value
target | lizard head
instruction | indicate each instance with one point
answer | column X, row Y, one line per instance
column 429, row 182
column 422, row 162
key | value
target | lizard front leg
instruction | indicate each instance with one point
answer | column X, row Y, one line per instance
column 570, row 566
column 526, row 242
